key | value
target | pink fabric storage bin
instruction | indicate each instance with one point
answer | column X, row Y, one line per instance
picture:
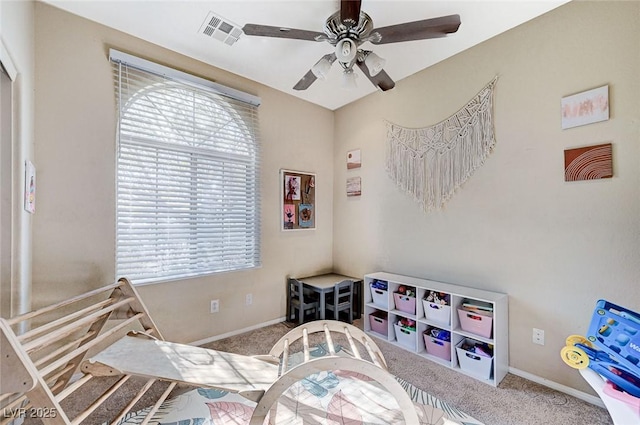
column 379, row 323
column 437, row 312
column 437, row 347
column 476, row 323
column 406, row 337
column 404, row 303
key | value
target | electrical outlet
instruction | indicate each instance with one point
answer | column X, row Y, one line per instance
column 215, row 306
column 248, row 299
column 538, row 336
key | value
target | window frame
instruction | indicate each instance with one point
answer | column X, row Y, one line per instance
column 219, row 156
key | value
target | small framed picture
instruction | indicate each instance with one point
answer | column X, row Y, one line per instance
column 585, row 108
column 29, row 187
column 292, row 187
column 306, row 215
column 289, row 216
column 297, row 200
column 354, row 186
column 353, row 159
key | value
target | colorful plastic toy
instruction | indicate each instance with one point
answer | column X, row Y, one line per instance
column 406, row 290
column 407, row 323
column 611, row 347
column 379, row 284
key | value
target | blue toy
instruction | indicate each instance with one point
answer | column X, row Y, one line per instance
column 611, row 347
column 379, row 284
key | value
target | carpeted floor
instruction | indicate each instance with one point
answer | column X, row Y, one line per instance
column 516, row 401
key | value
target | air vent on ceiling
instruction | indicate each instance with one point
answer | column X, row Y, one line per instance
column 221, row 29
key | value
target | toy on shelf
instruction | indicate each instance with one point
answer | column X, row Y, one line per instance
column 480, row 348
column 407, row 291
column 486, row 309
column 441, row 298
column 407, row 324
column 611, row 347
column 437, row 333
column 379, row 284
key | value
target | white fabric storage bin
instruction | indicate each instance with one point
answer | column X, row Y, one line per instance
column 472, row 363
column 406, row 337
column 380, row 297
column 437, row 312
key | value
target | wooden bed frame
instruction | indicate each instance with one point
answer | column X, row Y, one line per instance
column 73, row 336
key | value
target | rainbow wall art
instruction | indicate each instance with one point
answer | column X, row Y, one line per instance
column 588, row 163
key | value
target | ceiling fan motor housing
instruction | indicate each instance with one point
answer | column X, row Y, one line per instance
column 346, row 37
column 336, row 30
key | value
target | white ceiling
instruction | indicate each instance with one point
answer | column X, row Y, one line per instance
column 280, row 63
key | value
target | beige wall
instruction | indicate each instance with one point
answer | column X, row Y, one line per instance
column 17, row 34
column 74, row 243
column 516, row 226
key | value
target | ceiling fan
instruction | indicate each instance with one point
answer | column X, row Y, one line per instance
column 347, row 30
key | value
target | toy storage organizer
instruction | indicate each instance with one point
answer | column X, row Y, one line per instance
column 457, row 329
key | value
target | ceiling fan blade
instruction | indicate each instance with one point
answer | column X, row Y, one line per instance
column 418, row 30
column 306, row 81
column 283, row 32
column 350, row 12
column 381, row 79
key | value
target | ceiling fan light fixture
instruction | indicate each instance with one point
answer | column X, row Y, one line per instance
column 349, row 79
column 374, row 63
column 346, row 50
column 321, row 68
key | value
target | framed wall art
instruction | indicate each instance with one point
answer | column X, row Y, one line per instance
column 29, row 187
column 297, row 200
column 588, row 163
column 585, row 108
column 353, row 159
column 354, row 186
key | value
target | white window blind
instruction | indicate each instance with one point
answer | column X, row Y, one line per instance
column 187, row 176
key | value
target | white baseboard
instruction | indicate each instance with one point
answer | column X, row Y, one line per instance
column 238, row 332
column 558, row 387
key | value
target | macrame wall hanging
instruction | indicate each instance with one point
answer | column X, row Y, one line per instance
column 431, row 163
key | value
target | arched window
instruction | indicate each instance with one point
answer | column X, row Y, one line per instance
column 187, row 179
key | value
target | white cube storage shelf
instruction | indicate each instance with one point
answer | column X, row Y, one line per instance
column 380, row 303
